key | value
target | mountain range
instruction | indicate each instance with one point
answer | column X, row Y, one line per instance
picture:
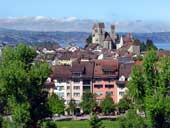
column 11, row 36
column 67, row 24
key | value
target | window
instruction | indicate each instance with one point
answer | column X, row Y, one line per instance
column 68, row 94
column 98, row 86
column 121, row 93
column 77, row 101
column 76, row 80
column 99, row 93
column 60, row 94
column 109, row 86
column 109, row 93
column 98, row 80
column 62, row 81
column 60, row 88
column 108, row 72
column 121, row 86
column 85, row 82
column 68, row 87
column 76, row 87
column 77, row 94
column 76, row 74
column 122, row 78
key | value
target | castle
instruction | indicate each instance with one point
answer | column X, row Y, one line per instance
column 100, row 36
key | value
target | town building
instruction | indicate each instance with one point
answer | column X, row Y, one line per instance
column 105, row 76
column 103, row 38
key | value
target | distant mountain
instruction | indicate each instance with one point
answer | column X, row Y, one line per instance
column 41, row 23
column 63, row 38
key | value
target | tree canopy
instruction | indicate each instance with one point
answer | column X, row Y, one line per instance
column 21, row 86
column 149, row 88
column 88, row 102
column 107, row 105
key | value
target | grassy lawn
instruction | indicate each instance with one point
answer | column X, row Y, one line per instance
column 84, row 124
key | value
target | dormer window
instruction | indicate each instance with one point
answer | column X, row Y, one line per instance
column 122, row 78
column 76, row 74
column 108, row 72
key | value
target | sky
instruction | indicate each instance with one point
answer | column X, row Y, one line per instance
column 105, row 10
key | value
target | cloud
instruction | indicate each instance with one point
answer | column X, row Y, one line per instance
column 42, row 23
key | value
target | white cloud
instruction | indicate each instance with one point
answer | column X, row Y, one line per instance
column 42, row 23
column 38, row 18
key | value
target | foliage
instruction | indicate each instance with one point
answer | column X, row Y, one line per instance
column 88, row 40
column 1, row 121
column 95, row 122
column 55, row 104
column 48, row 124
column 21, row 85
column 72, row 106
column 135, row 86
column 131, row 120
column 88, row 102
column 149, row 45
column 142, row 46
column 150, row 85
column 124, row 104
column 107, row 105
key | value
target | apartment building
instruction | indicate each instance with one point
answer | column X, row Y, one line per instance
column 105, row 76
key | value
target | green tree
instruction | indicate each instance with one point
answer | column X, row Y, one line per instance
column 95, row 122
column 142, row 46
column 150, row 45
column 150, row 84
column 88, row 102
column 131, row 120
column 88, row 40
column 136, row 88
column 21, row 85
column 55, row 104
column 72, row 106
column 124, row 104
column 107, row 105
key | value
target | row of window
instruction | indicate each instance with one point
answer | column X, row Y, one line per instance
column 110, row 93
column 109, row 86
column 61, row 88
column 74, row 94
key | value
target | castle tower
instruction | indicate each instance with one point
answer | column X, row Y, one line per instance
column 113, row 33
column 98, row 33
column 120, row 44
column 107, row 42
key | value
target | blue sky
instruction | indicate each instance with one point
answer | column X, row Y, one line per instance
column 106, row 10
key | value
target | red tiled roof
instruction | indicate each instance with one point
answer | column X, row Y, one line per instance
column 125, row 69
column 61, row 71
column 107, row 65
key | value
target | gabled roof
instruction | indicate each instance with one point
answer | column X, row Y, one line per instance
column 125, row 69
column 61, row 71
column 106, row 65
column 108, row 38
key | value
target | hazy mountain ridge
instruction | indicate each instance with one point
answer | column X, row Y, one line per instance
column 67, row 24
column 15, row 36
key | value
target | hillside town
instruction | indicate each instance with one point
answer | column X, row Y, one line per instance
column 103, row 67
column 109, row 80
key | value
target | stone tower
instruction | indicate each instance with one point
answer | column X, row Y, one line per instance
column 98, row 33
column 113, row 33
